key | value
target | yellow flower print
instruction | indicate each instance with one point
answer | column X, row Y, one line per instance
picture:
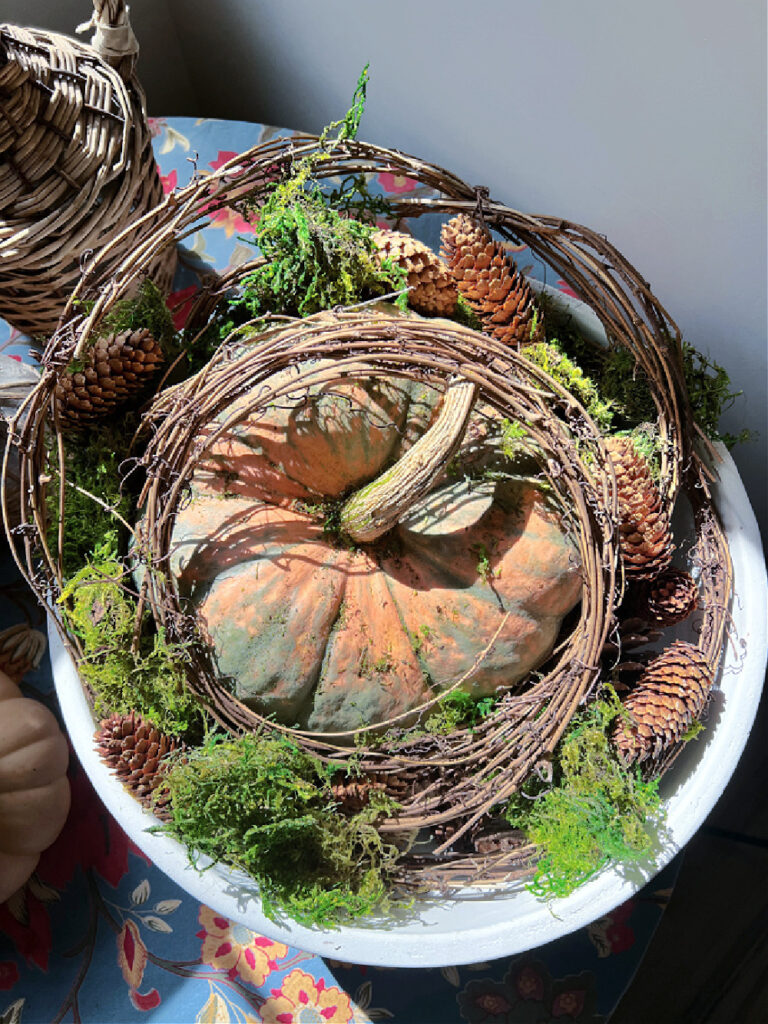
column 302, row 999
column 236, row 949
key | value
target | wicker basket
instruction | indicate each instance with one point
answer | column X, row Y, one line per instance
column 76, row 163
column 452, row 783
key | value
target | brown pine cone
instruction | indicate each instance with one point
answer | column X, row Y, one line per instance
column 461, row 231
column 353, row 795
column 668, row 698
column 115, row 369
column 645, row 537
column 21, row 649
column 134, row 749
column 432, row 289
column 670, row 597
column 496, row 292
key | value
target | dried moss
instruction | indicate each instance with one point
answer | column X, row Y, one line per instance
column 595, row 812
column 266, row 806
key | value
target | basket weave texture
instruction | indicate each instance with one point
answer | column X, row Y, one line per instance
column 76, row 163
column 448, row 783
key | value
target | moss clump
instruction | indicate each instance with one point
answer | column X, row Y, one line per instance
column 596, row 810
column 148, row 677
column 317, row 256
column 458, row 710
column 146, row 311
column 551, row 358
column 267, row 807
column 710, row 391
column 92, row 463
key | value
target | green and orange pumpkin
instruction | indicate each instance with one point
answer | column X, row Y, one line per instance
column 332, row 636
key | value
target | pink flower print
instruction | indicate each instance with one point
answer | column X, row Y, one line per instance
column 565, row 287
column 494, row 1004
column 569, row 1004
column 225, row 155
column 231, row 221
column 145, row 1001
column 180, row 305
column 237, row 950
column 302, row 998
column 618, row 933
column 131, row 954
column 9, row 974
column 169, row 182
column 156, row 126
column 529, row 983
column 392, row 182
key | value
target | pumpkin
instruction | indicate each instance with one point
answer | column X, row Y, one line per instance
column 332, row 637
column 34, row 789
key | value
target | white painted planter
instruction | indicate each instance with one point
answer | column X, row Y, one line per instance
column 483, row 925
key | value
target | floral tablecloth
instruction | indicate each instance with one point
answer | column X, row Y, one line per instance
column 100, row 935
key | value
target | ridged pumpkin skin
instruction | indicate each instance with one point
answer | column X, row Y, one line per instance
column 34, row 789
column 333, row 639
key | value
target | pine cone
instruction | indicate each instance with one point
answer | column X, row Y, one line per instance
column 461, row 231
column 134, row 749
column 630, row 633
column 21, row 649
column 116, row 368
column 353, row 795
column 495, row 290
column 669, row 696
column 670, row 597
column 432, row 289
column 646, row 540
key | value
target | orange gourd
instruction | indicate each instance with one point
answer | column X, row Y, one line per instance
column 34, row 789
column 331, row 636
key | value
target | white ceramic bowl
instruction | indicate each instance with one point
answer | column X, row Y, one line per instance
column 491, row 923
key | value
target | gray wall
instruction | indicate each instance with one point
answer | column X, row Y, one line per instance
column 645, row 121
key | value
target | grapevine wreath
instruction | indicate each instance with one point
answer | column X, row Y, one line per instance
column 305, row 425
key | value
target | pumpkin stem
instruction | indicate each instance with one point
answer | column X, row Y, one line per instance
column 381, row 504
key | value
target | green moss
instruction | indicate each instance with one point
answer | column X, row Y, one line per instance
column 267, row 807
column 709, row 390
column 92, row 464
column 464, row 314
column 513, row 435
column 551, row 358
column 148, row 677
column 694, row 730
column 646, row 442
column 457, row 710
column 146, row 311
column 317, row 257
column 595, row 812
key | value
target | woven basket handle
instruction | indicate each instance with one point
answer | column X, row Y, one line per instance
column 113, row 37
